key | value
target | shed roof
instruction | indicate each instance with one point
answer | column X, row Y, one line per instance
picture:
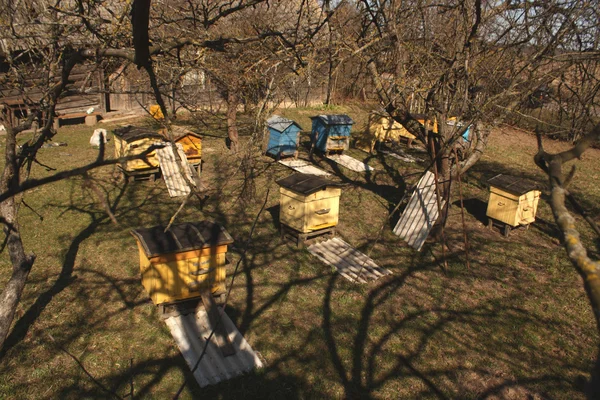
column 306, row 183
column 513, row 184
column 182, row 237
column 280, row 123
column 338, row 119
column 132, row 133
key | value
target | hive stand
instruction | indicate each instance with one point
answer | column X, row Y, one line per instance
column 300, row 239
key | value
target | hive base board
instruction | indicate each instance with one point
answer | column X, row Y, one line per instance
column 300, row 238
column 504, row 227
column 187, row 306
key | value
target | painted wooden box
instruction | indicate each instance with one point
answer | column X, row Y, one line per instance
column 131, row 140
column 283, row 137
column 176, row 263
column 190, row 141
column 513, row 200
column 331, row 132
column 308, row 202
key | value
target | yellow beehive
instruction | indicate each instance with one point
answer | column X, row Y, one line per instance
column 156, row 112
column 132, row 140
column 174, row 265
column 308, row 202
column 382, row 128
column 513, row 200
column 190, row 141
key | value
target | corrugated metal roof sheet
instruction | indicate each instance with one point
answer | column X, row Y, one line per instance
column 280, row 123
column 420, row 214
column 336, row 119
column 350, row 163
column 190, row 333
column 176, row 185
column 349, row 262
column 303, row 166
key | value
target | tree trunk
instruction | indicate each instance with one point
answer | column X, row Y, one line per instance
column 22, row 263
column 232, row 132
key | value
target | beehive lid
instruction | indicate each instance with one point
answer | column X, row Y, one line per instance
column 280, row 124
column 306, row 183
column 132, row 133
column 182, row 237
column 339, row 119
column 512, row 184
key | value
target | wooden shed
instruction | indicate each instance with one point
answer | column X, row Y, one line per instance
column 176, row 264
column 331, row 132
column 283, row 137
column 131, row 140
column 190, row 141
column 382, row 128
column 308, row 202
column 513, row 201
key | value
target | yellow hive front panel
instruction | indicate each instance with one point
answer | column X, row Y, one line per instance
column 321, row 213
column 528, row 207
column 172, row 277
column 291, row 212
column 503, row 209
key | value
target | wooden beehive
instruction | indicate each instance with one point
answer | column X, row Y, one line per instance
column 283, row 137
column 513, row 200
column 308, row 202
column 175, row 264
column 132, row 140
column 331, row 132
column 190, row 141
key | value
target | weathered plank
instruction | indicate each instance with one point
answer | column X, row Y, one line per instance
column 420, row 214
column 304, row 166
column 350, row 163
column 191, row 332
column 176, row 185
column 349, row 262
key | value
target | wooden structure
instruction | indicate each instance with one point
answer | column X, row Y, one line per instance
column 331, row 133
column 175, row 265
column 309, row 206
column 191, row 143
column 303, row 166
column 420, row 214
column 513, row 202
column 84, row 91
column 283, row 137
column 131, row 140
column 349, row 262
column 381, row 128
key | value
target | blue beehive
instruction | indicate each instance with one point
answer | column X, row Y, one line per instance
column 331, row 132
column 283, row 136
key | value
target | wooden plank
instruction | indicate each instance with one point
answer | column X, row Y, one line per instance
column 420, row 214
column 346, row 270
column 215, row 322
column 363, row 259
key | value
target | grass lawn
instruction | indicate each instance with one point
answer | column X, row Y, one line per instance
column 515, row 325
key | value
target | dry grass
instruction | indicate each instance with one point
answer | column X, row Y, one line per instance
column 516, row 325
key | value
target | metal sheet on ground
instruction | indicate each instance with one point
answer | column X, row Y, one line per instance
column 350, row 163
column 176, row 185
column 349, row 262
column 420, row 214
column 304, row 166
column 402, row 157
column 190, row 333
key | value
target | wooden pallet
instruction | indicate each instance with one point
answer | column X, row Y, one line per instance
column 300, row 238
